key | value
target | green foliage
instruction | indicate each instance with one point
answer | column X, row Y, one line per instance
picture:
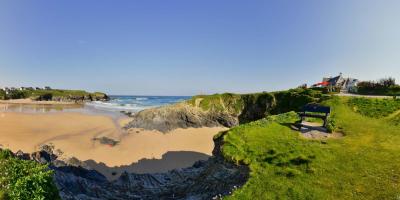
column 50, row 94
column 3, row 95
column 17, row 94
column 385, row 86
column 331, row 124
column 284, row 165
column 250, row 107
column 4, row 195
column 395, row 120
column 25, row 180
column 373, row 107
column 294, row 99
column 58, row 93
column 219, row 102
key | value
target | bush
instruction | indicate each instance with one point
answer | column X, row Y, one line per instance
column 17, row 94
column 294, row 99
column 3, row 95
column 382, row 87
column 23, row 179
column 4, row 195
column 331, row 124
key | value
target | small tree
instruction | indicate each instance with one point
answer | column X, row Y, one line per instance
column 16, row 94
column 387, row 82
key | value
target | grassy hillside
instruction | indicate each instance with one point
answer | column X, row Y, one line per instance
column 376, row 108
column 364, row 164
column 25, row 180
column 250, row 107
column 51, row 94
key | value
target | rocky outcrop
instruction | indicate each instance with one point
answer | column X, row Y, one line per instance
column 204, row 180
column 180, row 115
column 226, row 110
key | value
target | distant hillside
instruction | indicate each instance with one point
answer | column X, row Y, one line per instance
column 54, row 95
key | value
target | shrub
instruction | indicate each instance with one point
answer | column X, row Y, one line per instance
column 331, row 124
column 382, row 87
column 3, row 95
column 4, row 195
column 17, row 94
column 23, row 179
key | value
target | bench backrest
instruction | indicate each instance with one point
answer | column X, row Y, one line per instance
column 316, row 108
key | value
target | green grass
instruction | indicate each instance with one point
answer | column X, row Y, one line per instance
column 2, row 94
column 34, row 94
column 365, row 164
column 395, row 120
column 373, row 107
column 256, row 104
column 25, row 180
column 219, row 102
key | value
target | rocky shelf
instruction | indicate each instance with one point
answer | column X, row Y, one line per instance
column 208, row 179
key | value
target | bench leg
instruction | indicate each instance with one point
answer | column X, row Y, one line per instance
column 302, row 119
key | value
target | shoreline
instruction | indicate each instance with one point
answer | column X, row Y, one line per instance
column 73, row 134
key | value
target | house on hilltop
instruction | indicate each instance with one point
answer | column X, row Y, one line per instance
column 339, row 83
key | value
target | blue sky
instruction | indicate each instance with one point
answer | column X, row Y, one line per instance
column 181, row 47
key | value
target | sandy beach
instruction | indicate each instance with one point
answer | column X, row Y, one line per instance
column 73, row 134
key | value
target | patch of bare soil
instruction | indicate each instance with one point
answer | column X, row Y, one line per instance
column 313, row 130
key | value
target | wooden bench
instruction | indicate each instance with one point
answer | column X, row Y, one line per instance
column 315, row 111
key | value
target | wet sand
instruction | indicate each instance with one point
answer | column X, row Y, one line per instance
column 73, row 134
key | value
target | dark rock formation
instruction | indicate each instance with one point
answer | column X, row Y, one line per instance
column 204, row 180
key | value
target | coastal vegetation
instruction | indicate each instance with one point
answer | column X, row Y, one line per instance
column 250, row 107
column 373, row 107
column 51, row 94
column 364, row 164
column 23, row 179
column 385, row 86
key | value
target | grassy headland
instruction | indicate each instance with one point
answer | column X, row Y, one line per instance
column 52, row 94
column 250, row 107
column 364, row 164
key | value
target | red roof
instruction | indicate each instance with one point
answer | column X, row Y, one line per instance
column 325, row 83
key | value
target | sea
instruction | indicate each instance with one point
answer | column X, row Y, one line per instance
column 135, row 103
column 115, row 107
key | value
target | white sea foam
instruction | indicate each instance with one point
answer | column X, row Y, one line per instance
column 133, row 103
column 116, row 106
